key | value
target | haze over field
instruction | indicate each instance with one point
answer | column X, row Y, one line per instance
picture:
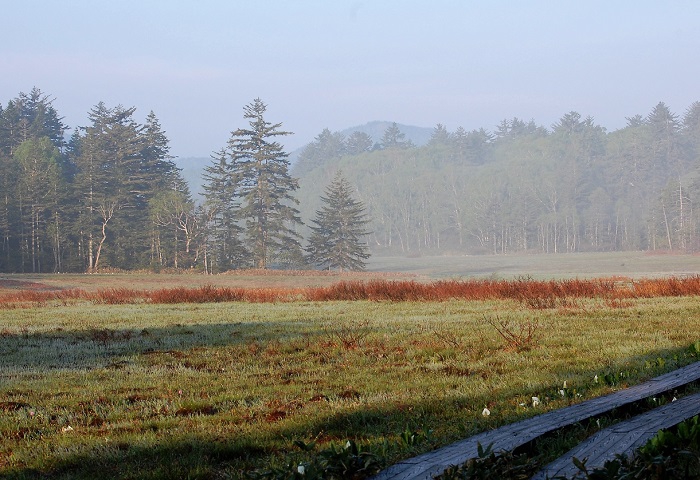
column 344, row 63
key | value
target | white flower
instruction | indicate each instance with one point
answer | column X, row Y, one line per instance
column 564, row 383
column 67, row 429
column 301, row 469
column 486, row 412
column 535, row 401
column 674, row 399
column 348, row 445
column 562, row 393
column 595, row 379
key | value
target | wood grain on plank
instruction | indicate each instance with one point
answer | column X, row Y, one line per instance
column 511, row 436
column 623, row 438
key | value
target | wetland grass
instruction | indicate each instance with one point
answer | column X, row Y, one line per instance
column 219, row 390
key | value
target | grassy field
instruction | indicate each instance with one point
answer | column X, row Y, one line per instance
column 147, row 281
column 221, row 390
column 582, row 265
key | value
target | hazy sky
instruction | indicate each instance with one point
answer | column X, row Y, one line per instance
column 337, row 64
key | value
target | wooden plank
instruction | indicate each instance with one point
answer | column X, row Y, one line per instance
column 511, row 436
column 622, row 438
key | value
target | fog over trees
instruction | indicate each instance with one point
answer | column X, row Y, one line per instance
column 110, row 196
column 524, row 187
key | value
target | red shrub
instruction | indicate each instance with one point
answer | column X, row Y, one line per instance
column 666, row 287
column 205, row 294
column 117, row 296
column 533, row 293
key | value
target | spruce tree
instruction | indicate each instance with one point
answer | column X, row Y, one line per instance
column 37, row 191
column 221, row 206
column 336, row 239
column 261, row 167
column 114, row 185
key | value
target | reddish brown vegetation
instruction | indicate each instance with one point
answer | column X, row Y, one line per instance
column 532, row 293
column 203, row 294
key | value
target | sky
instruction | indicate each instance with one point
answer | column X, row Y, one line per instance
column 337, row 64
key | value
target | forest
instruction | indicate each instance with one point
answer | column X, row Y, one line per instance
column 522, row 188
column 110, row 196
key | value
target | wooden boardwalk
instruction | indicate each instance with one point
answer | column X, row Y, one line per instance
column 511, row 436
column 622, row 438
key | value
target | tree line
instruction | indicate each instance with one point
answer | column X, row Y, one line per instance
column 522, row 187
column 111, row 197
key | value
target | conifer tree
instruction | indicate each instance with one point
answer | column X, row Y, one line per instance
column 336, row 239
column 221, row 205
column 121, row 166
column 261, row 167
column 39, row 174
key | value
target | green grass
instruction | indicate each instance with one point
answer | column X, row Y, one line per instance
column 217, row 390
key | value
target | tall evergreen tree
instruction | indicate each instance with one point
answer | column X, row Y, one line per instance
column 109, row 182
column 336, row 241
column 156, row 167
column 37, row 192
column 221, row 206
column 27, row 118
column 155, row 175
column 9, row 212
column 261, row 166
column 666, row 147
